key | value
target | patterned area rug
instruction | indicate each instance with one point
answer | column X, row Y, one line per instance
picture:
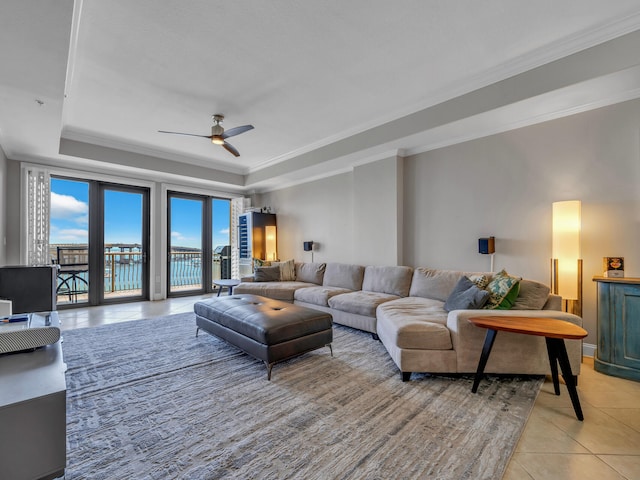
column 149, row 400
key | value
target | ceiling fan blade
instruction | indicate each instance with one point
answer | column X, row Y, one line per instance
column 236, row 131
column 180, row 133
column 231, row 148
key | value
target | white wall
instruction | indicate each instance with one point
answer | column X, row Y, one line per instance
column 378, row 212
column 321, row 211
column 501, row 185
column 504, row 186
column 353, row 218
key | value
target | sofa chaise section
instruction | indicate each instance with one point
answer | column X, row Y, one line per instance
column 421, row 336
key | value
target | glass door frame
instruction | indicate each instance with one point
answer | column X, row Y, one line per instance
column 96, row 231
column 205, row 246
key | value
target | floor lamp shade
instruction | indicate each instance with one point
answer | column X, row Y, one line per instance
column 566, row 247
column 271, row 249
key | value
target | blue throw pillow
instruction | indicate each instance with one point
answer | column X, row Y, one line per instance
column 466, row 295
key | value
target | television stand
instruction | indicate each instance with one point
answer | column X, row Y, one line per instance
column 33, row 416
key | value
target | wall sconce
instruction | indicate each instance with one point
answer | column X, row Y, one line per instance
column 308, row 247
column 487, row 246
column 566, row 262
column 270, row 243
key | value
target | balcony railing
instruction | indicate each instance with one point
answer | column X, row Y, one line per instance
column 123, row 274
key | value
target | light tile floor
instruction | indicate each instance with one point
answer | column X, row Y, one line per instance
column 554, row 444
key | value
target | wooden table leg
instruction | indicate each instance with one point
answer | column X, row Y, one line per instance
column 489, row 338
column 553, row 364
column 560, row 353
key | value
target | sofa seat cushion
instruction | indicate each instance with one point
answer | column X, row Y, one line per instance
column 275, row 290
column 415, row 322
column 318, row 295
column 361, row 302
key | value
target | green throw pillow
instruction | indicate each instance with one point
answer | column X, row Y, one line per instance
column 257, row 262
column 503, row 290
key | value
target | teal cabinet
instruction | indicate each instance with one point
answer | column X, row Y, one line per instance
column 618, row 350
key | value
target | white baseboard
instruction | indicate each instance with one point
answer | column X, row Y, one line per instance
column 588, row 350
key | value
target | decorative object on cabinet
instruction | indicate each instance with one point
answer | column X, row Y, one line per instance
column 5, row 308
column 566, row 262
column 613, row 267
column 618, row 349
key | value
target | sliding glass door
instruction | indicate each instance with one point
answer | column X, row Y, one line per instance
column 198, row 246
column 185, row 272
column 124, row 233
column 69, row 239
column 99, row 237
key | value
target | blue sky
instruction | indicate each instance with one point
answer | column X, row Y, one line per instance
column 70, row 217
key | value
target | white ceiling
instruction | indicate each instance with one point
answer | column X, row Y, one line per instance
column 327, row 85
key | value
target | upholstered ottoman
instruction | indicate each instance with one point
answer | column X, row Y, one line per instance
column 269, row 330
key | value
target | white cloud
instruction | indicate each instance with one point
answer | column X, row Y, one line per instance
column 177, row 236
column 66, row 206
column 72, row 235
column 224, row 231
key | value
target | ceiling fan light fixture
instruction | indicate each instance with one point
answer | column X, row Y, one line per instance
column 218, row 135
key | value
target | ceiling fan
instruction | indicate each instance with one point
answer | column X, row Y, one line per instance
column 219, row 134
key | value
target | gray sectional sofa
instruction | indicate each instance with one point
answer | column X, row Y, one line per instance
column 405, row 309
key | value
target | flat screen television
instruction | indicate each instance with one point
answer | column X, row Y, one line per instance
column 30, row 289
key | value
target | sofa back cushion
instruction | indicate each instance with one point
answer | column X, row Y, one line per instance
column 433, row 283
column 343, row 275
column 310, row 272
column 391, row 280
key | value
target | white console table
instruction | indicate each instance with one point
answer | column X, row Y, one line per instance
column 33, row 416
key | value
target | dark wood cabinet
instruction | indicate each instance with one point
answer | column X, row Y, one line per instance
column 618, row 350
column 255, row 240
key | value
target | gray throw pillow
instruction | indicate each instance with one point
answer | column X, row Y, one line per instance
column 466, row 295
column 532, row 296
column 267, row 274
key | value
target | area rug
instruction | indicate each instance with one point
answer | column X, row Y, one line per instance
column 148, row 400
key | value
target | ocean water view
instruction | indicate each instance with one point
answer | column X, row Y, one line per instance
column 123, row 269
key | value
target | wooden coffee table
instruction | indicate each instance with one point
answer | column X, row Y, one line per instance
column 553, row 330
